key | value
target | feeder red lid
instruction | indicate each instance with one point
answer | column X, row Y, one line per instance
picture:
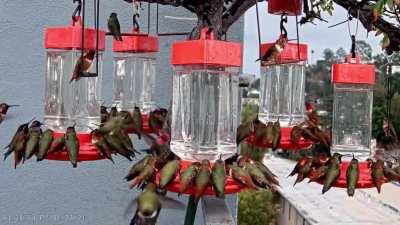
column 71, row 37
column 289, row 54
column 288, row 7
column 207, row 51
column 353, row 72
column 136, row 44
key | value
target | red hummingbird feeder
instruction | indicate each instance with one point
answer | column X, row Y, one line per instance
column 205, row 93
column 285, row 7
column 69, row 101
column 352, row 115
column 135, row 73
column 283, row 93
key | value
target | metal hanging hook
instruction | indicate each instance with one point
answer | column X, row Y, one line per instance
column 353, row 35
column 284, row 20
column 78, row 9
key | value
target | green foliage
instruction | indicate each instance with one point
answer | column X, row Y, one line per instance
column 257, row 207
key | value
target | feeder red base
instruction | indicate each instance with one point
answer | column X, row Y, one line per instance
column 285, row 143
column 288, row 7
column 231, row 186
column 146, row 127
column 87, row 151
column 365, row 180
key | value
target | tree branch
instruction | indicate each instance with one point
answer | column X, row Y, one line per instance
column 237, row 9
column 365, row 18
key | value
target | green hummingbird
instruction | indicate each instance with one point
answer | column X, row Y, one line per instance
column 187, row 176
column 72, row 144
column 148, row 207
column 168, row 173
column 44, row 144
column 114, row 27
column 32, row 145
column 218, row 177
column 333, row 171
column 352, row 176
column 18, row 143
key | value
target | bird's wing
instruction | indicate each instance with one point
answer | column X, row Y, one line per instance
column 129, row 209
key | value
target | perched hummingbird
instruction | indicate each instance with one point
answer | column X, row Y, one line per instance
column 304, row 171
column 187, row 176
column 72, row 144
column 352, row 176
column 273, row 52
column 377, row 173
column 300, row 163
column 202, row 180
column 145, row 175
column 218, row 177
column 242, row 176
column 101, row 144
column 44, row 144
column 295, row 134
column 333, row 172
column 32, row 145
column 276, row 129
column 83, row 65
column 168, row 173
column 137, row 168
column 18, row 143
column 137, row 121
column 114, row 27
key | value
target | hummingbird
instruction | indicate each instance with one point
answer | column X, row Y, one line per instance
column 168, row 173
column 333, row 171
column 137, row 121
column 114, row 26
column 32, row 145
column 104, row 114
column 187, row 176
column 18, row 143
column 83, row 65
column 274, row 50
column 72, row 144
column 276, row 129
column 148, row 207
column 202, row 180
column 244, row 131
column 218, row 177
column 44, row 144
column 4, row 109
column 377, row 173
column 352, row 176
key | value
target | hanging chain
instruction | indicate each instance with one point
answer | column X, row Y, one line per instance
column 353, row 35
column 389, row 91
column 258, row 30
column 136, row 15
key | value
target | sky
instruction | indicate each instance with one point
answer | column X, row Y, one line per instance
column 317, row 37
